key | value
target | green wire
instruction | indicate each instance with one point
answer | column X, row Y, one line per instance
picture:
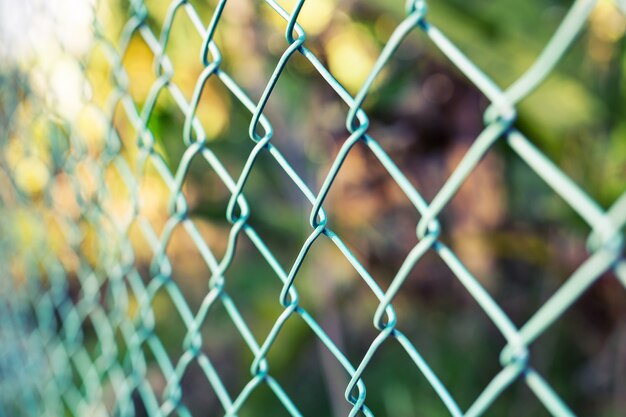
column 80, row 382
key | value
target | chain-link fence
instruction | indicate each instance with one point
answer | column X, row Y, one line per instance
column 79, row 326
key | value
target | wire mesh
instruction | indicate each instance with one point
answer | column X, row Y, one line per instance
column 42, row 314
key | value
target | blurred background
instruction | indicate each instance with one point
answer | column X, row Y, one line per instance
column 505, row 224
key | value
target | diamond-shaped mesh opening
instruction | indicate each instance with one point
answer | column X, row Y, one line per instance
column 206, row 196
column 170, row 328
column 249, row 275
column 263, row 398
column 189, row 269
column 371, row 213
column 198, row 395
column 270, row 190
column 152, row 192
column 395, row 386
column 433, row 298
column 296, row 352
column 123, row 133
column 228, row 353
column 139, row 71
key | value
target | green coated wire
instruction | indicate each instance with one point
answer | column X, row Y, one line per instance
column 80, row 382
